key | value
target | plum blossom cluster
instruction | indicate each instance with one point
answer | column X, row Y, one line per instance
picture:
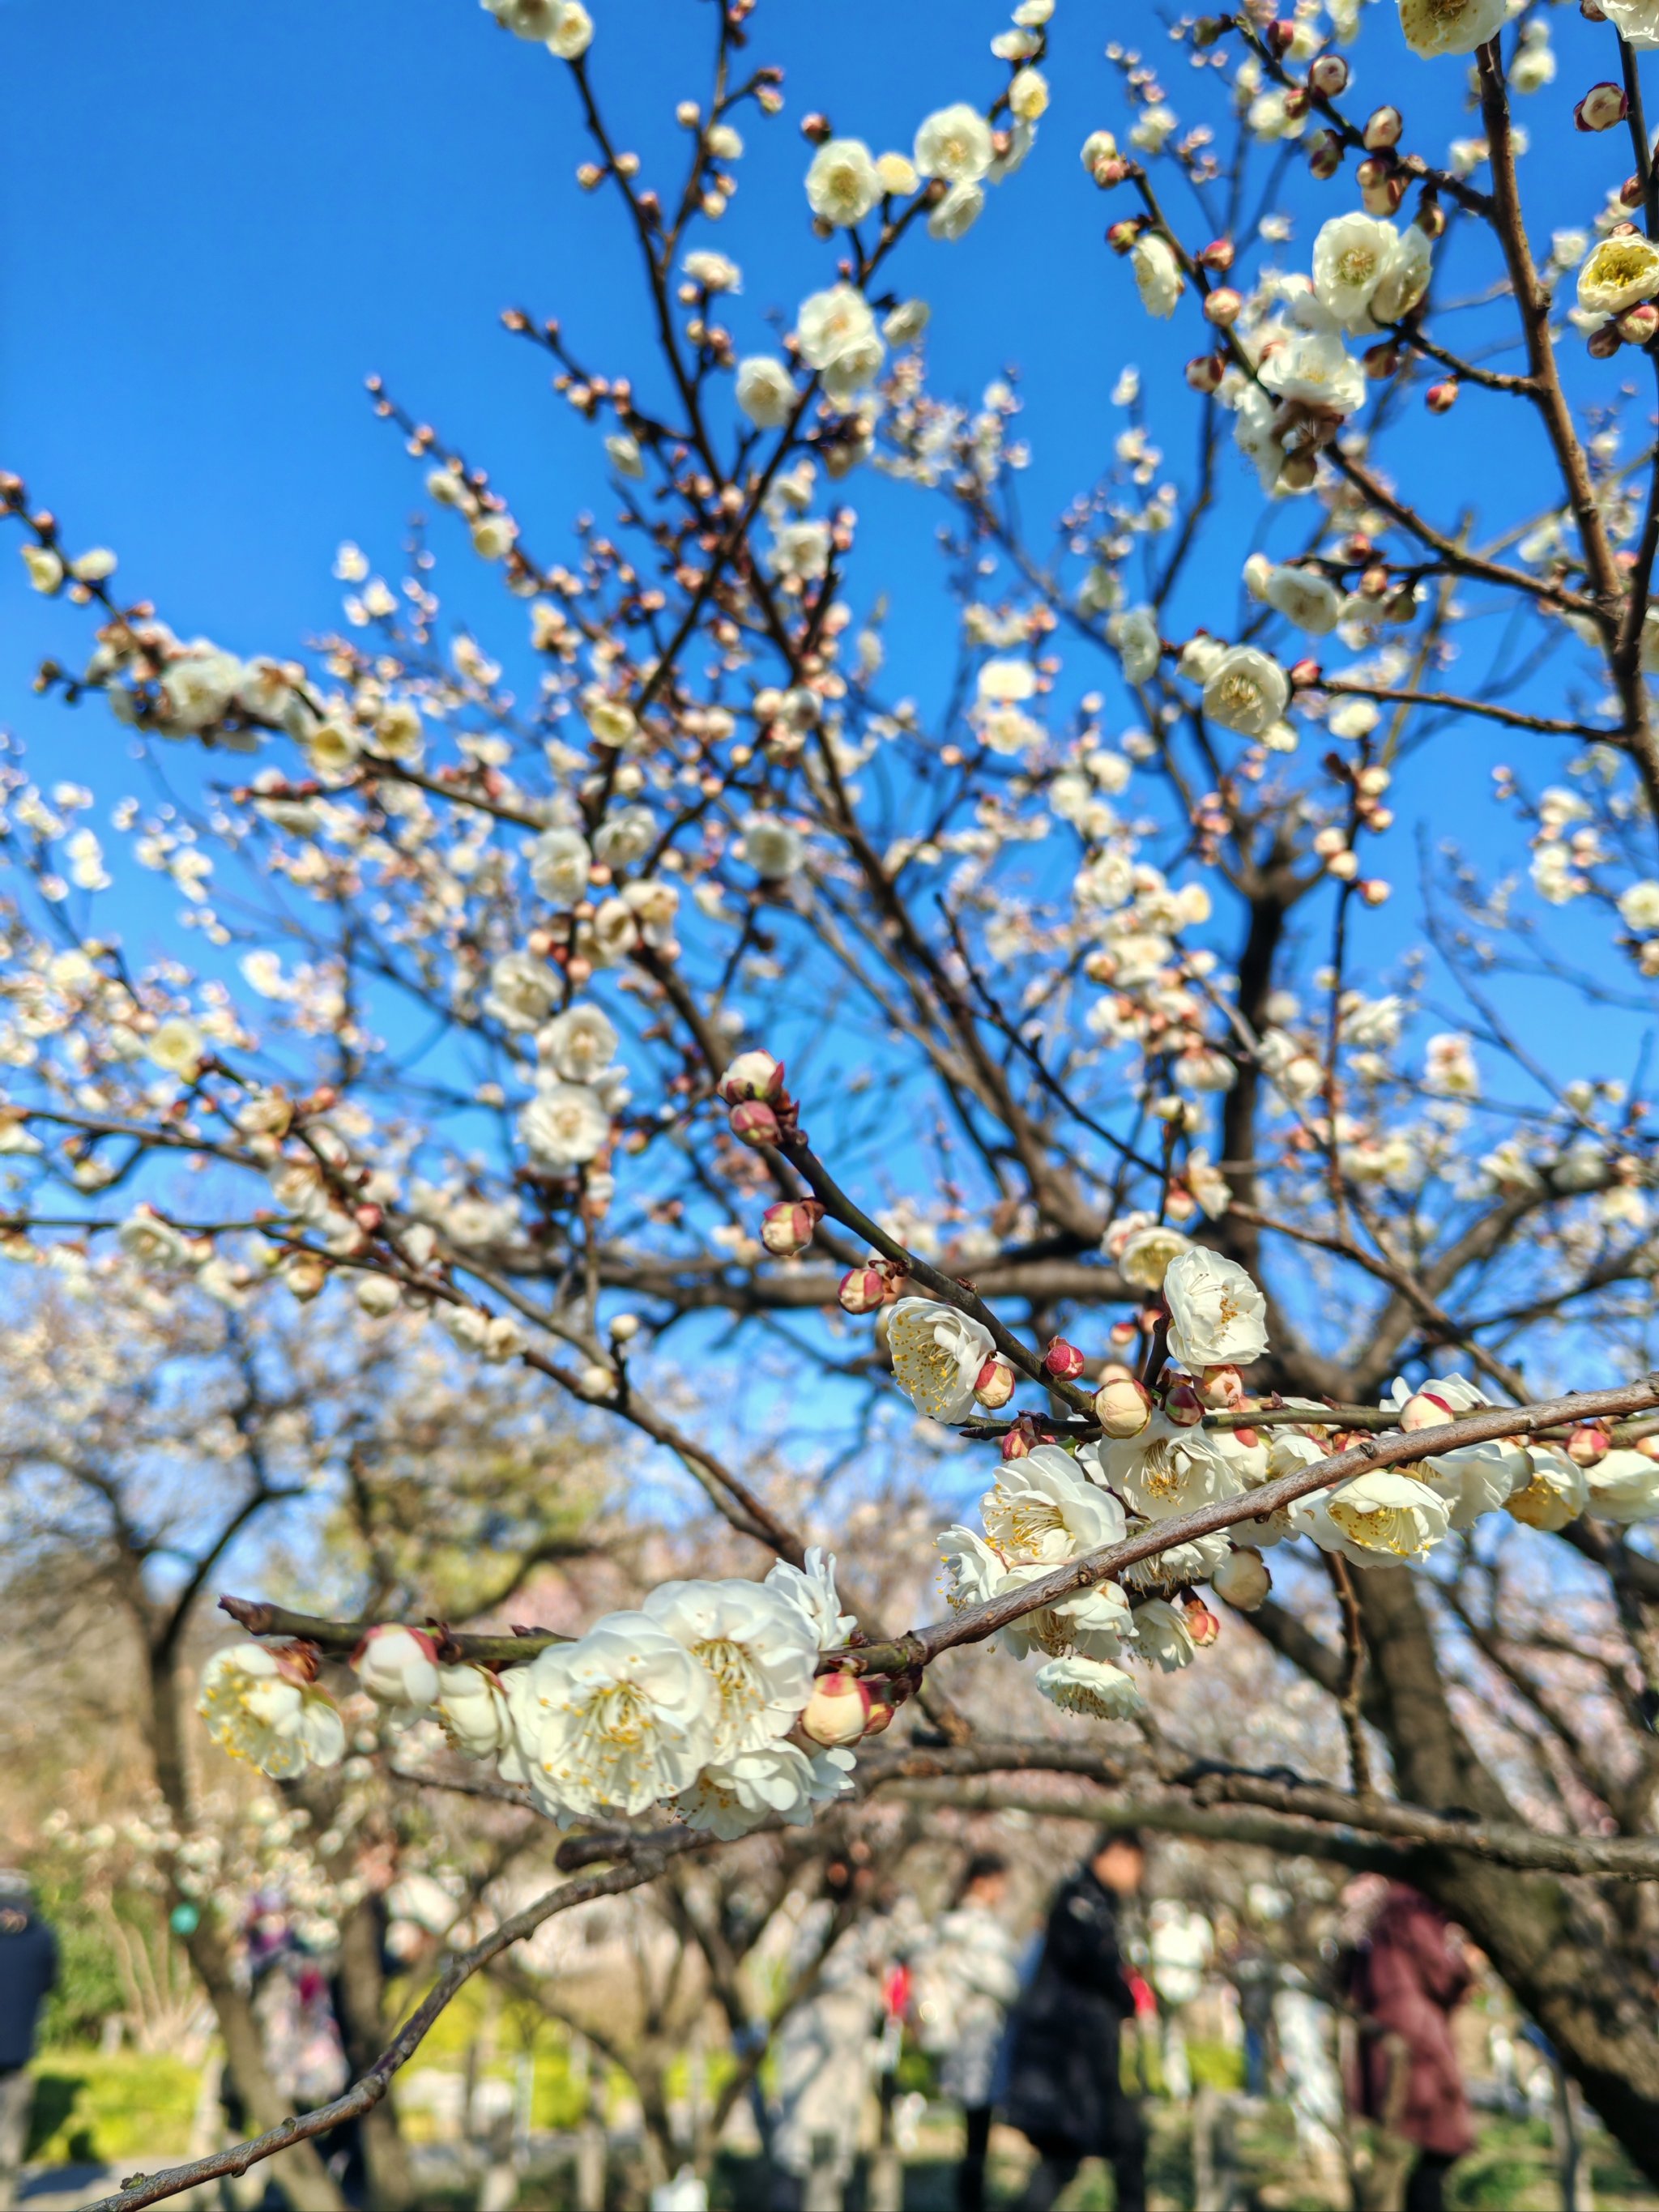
column 705, row 1702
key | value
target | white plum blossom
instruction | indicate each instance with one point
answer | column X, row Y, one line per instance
column 1157, row 275
column 1617, row 273
column 1161, row 1636
column 1167, row 1469
column 522, row 991
column 260, row 1706
column 938, row 1354
column 733, row 1796
column 837, row 336
column 843, row 184
column 1041, row 1510
column 756, row 1648
column 954, row 143
column 1218, row 1316
column 579, row 1045
column 1351, row 256
column 766, row 392
column 811, row 1588
column 1134, row 633
column 1090, row 1687
column 564, row 1125
column 1557, row 1493
column 1375, row 1519
column 1246, row 690
column 1624, row 1487
column 1305, row 597
column 473, row 1709
column 773, row 848
column 1436, row 28
column 397, row 1667
column 614, row 1722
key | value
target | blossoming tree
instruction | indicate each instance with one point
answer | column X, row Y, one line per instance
column 1226, row 1252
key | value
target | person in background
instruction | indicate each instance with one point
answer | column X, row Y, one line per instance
column 1405, row 1981
column 828, row 2049
column 1066, row 2090
column 966, row 1981
column 29, row 1973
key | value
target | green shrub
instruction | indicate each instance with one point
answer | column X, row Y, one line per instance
column 114, row 2106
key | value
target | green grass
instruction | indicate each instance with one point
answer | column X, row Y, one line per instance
column 118, row 2106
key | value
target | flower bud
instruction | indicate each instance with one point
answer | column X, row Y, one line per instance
column 751, row 1075
column 1638, row 326
column 995, row 1385
column 397, row 1666
column 1325, row 152
column 1221, row 1388
column 1305, row 675
column 1183, row 1404
column 1603, row 107
column 1423, row 1410
column 1121, row 236
column 1222, row 307
column 881, row 1706
column 1201, row 1624
column 1242, row 1579
column 1381, row 361
column 1299, row 103
column 1602, row 343
column 1380, row 188
column 1062, row 1360
column 1209, row 28
column 1430, row 216
column 787, row 1227
column 1123, row 1407
column 1217, row 255
column 1631, row 194
column 1383, row 128
column 862, row 1290
column 305, row 1273
column 1588, row 1444
column 1016, row 1443
column 1298, row 470
column 1206, row 371
column 1329, row 76
column 1279, row 37
column 1647, row 1446
column 837, row 1709
column 1440, row 399
column 755, row 1123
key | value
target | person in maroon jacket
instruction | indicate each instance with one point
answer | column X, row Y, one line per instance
column 1407, row 1979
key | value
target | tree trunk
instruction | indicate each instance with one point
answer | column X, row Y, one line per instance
column 301, row 2170
column 362, row 1989
column 1590, row 1995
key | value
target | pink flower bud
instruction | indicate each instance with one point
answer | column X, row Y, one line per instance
column 1217, row 255
column 1382, row 129
column 1222, row 1387
column 1647, row 1446
column 1110, row 169
column 1222, row 307
column 1306, row 674
column 1201, row 1624
column 1123, row 1407
column 1638, row 326
column 1325, row 151
column 1381, row 361
column 1380, row 188
column 1206, row 372
column 1424, row 1409
column 1016, row 1443
column 995, row 1385
column 1329, row 75
column 1184, row 1405
column 787, row 1227
column 1603, row 107
column 1299, row 103
column 1242, row 1579
column 755, row 1123
column 837, row 1709
column 1121, row 236
column 1062, row 1359
column 1602, row 343
column 751, row 1075
column 1631, row 194
column 397, row 1666
column 1121, row 1333
column 1588, row 1444
column 882, row 1706
column 1279, row 37
column 862, row 1290
column 1440, row 399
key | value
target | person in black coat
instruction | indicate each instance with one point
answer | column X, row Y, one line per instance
column 1065, row 2091
column 28, row 1971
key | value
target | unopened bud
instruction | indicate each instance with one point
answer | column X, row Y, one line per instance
column 995, row 1385
column 1306, row 675
column 1201, row 1624
column 1424, row 1409
column 1588, row 1444
column 1375, row 891
column 1380, row 361
column 881, row 1704
column 1380, row 188
column 838, row 1711
column 787, row 1228
column 1298, row 104
column 1217, row 255
column 862, row 1290
column 751, row 1075
column 1430, row 216
column 1123, row 1407
column 1325, row 154
column 815, row 128
column 1638, row 326
column 1382, row 129
column 1440, row 399
column 1603, row 342
column 1603, row 107
column 1222, row 307
column 1121, row 236
column 1647, row 1446
column 1208, row 28
column 1242, row 1579
column 1062, row 1360
column 1631, row 194
column 397, row 1666
column 1329, row 75
column 1184, row 1405
column 1298, row 470
column 1221, row 1388
column 755, row 1123
column 1206, row 371
column 1279, row 37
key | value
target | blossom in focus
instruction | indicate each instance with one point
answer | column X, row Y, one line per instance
column 937, row 1355
column 473, row 1710
column 1167, row 1469
column 1636, row 22
column 1161, row 1635
column 1386, row 1515
column 1041, row 1509
column 811, row 1588
column 397, row 1666
column 1352, row 255
column 1247, row 690
column 1218, row 1316
column 613, row 1723
column 756, row 1647
column 776, row 1780
column 1091, row 1686
column 260, row 1706
column 1558, row 1491
column 1617, row 273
